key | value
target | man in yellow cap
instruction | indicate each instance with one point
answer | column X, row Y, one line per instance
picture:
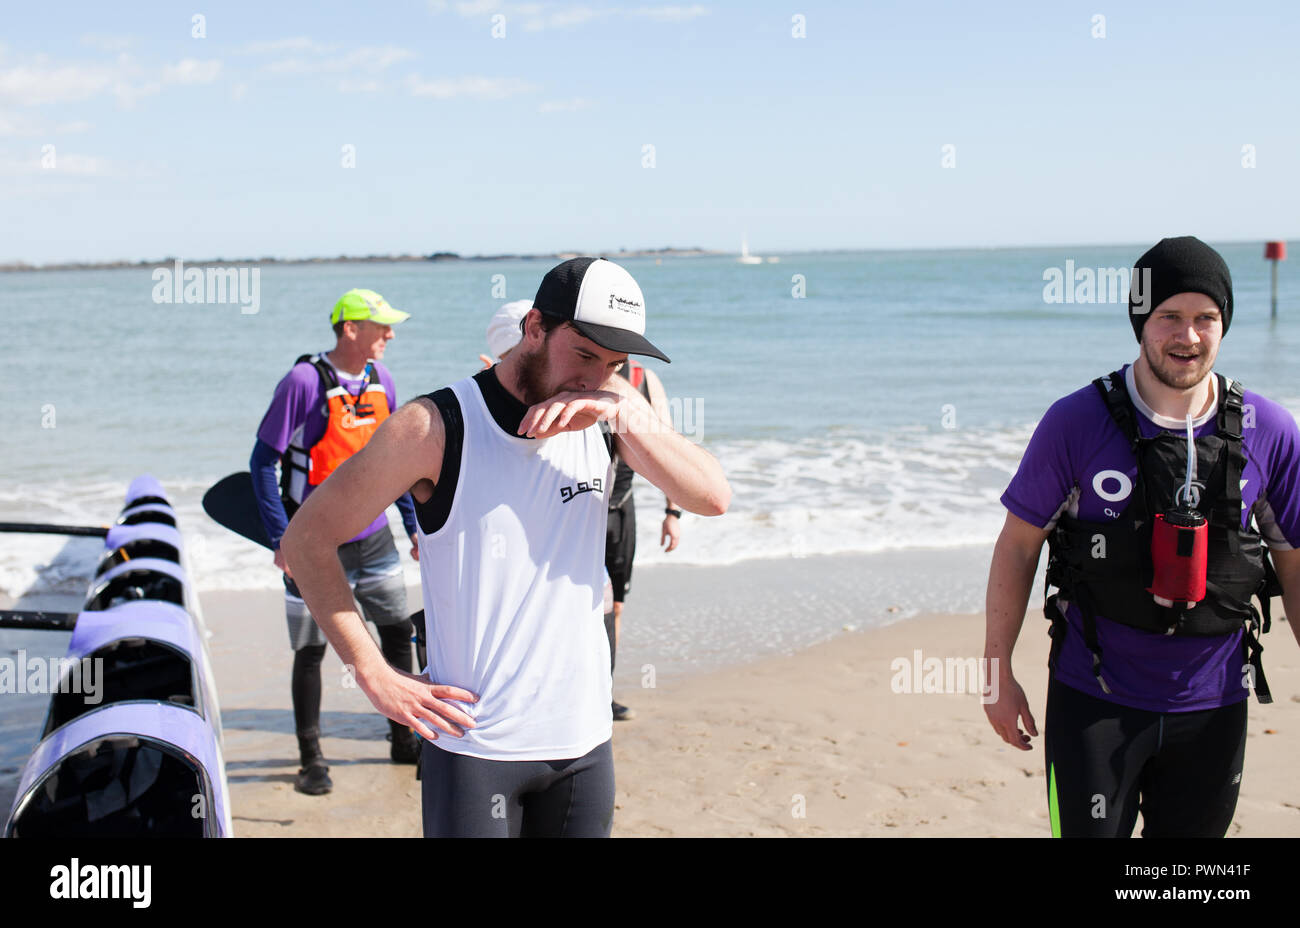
column 324, row 411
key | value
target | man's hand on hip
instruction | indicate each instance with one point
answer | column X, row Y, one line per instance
column 413, row 700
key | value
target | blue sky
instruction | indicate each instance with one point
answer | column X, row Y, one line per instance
column 233, row 144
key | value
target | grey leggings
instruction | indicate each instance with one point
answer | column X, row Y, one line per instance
column 469, row 797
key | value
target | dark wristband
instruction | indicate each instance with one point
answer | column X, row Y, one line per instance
column 673, row 512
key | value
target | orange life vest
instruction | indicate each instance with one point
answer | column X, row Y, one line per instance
column 351, row 420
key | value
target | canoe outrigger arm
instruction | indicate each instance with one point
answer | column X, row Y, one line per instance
column 44, row 528
column 38, row 620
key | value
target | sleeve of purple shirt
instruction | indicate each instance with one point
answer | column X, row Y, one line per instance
column 266, row 490
column 1045, row 477
column 1282, row 464
column 295, row 395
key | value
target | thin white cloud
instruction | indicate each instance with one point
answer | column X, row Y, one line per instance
column 533, row 17
column 371, row 59
column 108, row 43
column 15, row 126
column 69, row 165
column 290, row 66
column 536, row 16
column 348, row 85
column 670, row 14
column 192, row 71
column 471, row 8
column 40, row 83
column 299, row 43
column 482, row 88
column 563, row 17
column 129, row 94
column 384, row 57
column 19, row 126
column 375, row 58
column 565, row 106
column 82, row 165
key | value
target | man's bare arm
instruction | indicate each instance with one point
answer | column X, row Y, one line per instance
column 406, row 449
column 1011, row 578
column 670, row 529
column 684, row 471
column 659, row 403
column 1287, row 565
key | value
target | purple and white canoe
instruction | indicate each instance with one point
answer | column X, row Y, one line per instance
column 132, row 741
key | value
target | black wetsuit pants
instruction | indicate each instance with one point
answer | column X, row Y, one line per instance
column 1107, row 762
column 470, row 797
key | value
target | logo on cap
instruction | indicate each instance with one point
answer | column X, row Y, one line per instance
column 627, row 306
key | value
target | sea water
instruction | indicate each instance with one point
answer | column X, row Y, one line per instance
column 858, row 401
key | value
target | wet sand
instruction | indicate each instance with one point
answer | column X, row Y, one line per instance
column 812, row 743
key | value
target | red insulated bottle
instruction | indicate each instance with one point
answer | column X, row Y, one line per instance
column 1179, row 542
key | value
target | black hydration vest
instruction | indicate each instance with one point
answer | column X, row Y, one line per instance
column 622, row 489
column 1106, row 567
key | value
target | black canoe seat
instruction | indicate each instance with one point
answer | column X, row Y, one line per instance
column 147, row 512
column 142, row 547
column 132, row 584
column 131, row 668
column 118, row 786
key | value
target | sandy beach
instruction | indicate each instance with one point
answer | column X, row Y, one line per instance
column 883, row 320
column 814, row 743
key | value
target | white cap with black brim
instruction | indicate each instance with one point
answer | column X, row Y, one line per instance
column 602, row 301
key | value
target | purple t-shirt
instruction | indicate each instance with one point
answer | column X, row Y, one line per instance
column 1078, row 462
column 299, row 403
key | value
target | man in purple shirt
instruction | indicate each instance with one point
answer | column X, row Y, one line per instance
column 324, row 410
column 1146, row 708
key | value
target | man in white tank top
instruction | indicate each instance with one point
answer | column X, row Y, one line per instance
column 510, row 472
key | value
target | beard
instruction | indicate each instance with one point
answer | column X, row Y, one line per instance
column 535, row 376
column 1177, row 376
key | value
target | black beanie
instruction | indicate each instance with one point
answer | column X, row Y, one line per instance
column 1178, row 265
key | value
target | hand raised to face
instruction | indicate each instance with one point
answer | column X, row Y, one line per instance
column 569, row 411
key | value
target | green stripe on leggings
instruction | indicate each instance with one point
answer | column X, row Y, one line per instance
column 1052, row 808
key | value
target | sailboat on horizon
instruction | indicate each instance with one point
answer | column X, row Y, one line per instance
column 747, row 258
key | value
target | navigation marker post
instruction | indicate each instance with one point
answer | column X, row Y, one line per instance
column 1275, row 252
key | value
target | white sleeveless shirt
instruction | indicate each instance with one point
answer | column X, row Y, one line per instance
column 513, row 586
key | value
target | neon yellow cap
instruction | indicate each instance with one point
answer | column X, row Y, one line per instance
column 359, row 305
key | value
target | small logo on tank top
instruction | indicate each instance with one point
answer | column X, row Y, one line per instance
column 595, row 486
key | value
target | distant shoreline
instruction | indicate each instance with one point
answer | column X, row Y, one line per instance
column 440, row 256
